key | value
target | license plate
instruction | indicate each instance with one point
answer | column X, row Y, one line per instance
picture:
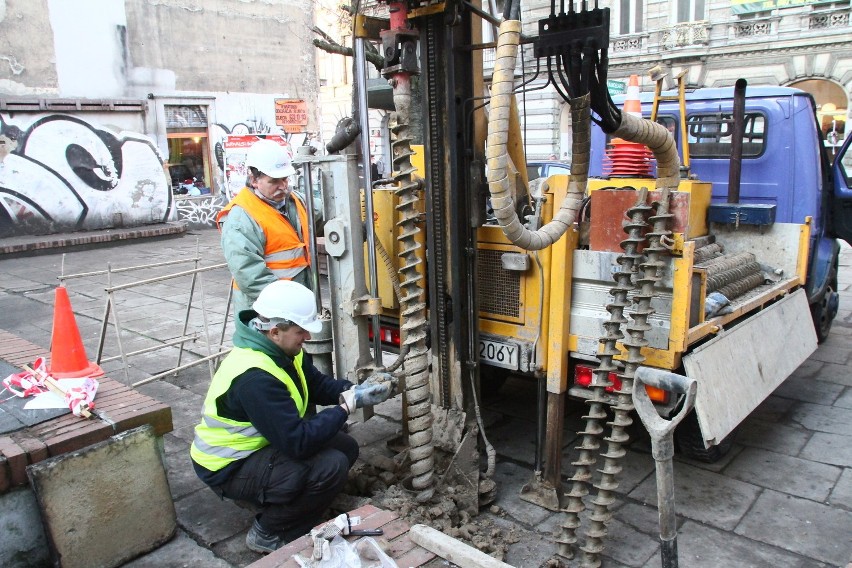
column 499, row 354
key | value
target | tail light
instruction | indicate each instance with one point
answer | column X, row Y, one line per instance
column 389, row 335
column 583, row 377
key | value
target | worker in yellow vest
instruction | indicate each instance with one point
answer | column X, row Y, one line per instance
column 265, row 227
column 257, row 440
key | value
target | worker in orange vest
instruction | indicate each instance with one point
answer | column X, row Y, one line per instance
column 265, row 227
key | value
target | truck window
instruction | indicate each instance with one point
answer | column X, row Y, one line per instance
column 710, row 135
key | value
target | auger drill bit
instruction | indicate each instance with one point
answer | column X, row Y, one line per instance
column 594, row 420
column 651, row 270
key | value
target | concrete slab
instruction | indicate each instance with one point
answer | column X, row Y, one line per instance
column 807, row 369
column 106, row 503
column 514, row 439
column 844, row 400
column 829, row 354
column 701, row 546
column 831, row 419
column 773, row 409
column 510, row 478
column 772, row 470
column 833, row 449
column 704, row 496
column 627, row 545
column 210, row 519
column 530, row 549
column 24, row 544
column 644, row 518
column 181, row 475
column 836, row 373
column 799, row 525
column 769, row 436
column 842, row 494
column 809, row 390
column 180, row 552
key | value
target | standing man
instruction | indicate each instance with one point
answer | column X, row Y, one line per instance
column 265, row 227
column 256, row 442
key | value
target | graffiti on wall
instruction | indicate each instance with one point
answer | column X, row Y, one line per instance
column 60, row 173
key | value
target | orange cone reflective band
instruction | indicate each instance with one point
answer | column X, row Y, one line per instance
column 632, row 105
column 67, row 354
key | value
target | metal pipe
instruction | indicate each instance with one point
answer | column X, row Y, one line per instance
column 364, row 121
column 737, row 131
column 312, row 237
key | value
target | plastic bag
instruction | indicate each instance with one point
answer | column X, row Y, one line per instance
column 335, row 554
column 372, row 555
column 338, row 553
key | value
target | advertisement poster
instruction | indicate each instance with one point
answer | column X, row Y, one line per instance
column 235, row 148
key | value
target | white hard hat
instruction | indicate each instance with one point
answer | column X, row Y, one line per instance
column 288, row 300
column 270, row 158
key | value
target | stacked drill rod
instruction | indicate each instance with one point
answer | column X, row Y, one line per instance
column 733, row 275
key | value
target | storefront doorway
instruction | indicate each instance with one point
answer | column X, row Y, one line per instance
column 189, row 150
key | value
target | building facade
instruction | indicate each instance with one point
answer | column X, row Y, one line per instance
column 112, row 112
column 797, row 43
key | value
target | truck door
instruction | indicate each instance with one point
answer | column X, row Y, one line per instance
column 841, row 205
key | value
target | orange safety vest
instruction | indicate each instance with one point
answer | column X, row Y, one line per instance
column 285, row 253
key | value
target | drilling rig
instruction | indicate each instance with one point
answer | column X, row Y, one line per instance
column 481, row 274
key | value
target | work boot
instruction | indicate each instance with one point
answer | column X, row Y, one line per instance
column 261, row 541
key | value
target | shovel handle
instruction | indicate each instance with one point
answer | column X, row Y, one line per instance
column 656, row 425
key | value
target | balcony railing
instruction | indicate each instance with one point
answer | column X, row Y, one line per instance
column 829, row 20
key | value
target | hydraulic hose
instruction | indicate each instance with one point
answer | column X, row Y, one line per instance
column 656, row 137
column 497, row 151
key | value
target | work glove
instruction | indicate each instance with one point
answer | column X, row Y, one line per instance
column 716, row 304
column 360, row 396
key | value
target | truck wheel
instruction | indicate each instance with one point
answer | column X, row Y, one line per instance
column 690, row 443
column 822, row 311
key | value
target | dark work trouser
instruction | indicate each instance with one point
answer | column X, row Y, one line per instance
column 293, row 493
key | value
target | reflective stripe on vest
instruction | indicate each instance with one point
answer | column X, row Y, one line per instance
column 220, row 441
column 285, row 252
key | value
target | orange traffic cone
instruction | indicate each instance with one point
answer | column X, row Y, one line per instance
column 631, row 101
column 67, row 354
column 625, row 159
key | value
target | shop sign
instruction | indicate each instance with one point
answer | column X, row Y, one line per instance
column 752, row 6
column 235, row 148
column 291, row 114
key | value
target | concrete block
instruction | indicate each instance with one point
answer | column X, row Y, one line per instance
column 107, row 503
column 23, row 544
column 773, row 409
column 800, row 526
column 845, row 400
column 838, row 374
column 510, row 478
column 210, row 519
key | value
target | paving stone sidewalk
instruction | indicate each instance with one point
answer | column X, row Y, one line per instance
column 782, row 497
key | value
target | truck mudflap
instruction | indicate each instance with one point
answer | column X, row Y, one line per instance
column 743, row 365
